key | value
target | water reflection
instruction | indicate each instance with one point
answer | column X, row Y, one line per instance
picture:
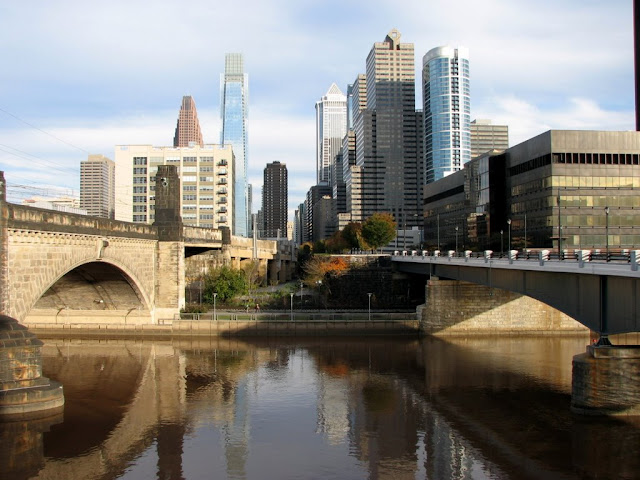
column 303, row 408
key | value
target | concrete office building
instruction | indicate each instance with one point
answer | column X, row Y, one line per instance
column 234, row 113
column 188, row 131
column 562, row 189
column 486, row 137
column 97, row 186
column 447, row 111
column 387, row 135
column 331, row 127
column 206, row 177
column 275, row 200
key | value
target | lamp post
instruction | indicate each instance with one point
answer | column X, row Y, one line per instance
column 301, row 294
column 559, row 229
column 369, row 305
column 456, row 240
column 525, row 233
column 438, row 217
column 509, row 224
column 291, row 306
column 501, row 241
column 215, row 317
column 606, row 214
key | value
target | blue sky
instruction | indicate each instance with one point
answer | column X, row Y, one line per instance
column 80, row 77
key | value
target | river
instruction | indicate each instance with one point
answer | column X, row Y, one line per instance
column 303, row 408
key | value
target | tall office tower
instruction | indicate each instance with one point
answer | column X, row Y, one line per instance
column 356, row 98
column 206, row 177
column 98, row 186
column 275, row 200
column 331, row 126
column 386, row 134
column 447, row 111
column 234, row 113
column 485, row 137
column 188, row 131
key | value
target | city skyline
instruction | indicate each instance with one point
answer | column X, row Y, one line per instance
column 529, row 71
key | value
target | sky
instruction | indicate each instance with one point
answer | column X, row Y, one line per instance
column 80, row 77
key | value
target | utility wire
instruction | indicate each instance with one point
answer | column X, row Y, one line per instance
column 43, row 131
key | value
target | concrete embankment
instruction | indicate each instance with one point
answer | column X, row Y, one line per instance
column 244, row 324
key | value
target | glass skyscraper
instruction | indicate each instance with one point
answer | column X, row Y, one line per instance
column 447, row 111
column 234, row 101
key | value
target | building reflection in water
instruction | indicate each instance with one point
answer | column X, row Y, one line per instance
column 353, row 408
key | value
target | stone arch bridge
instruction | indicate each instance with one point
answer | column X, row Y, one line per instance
column 60, row 265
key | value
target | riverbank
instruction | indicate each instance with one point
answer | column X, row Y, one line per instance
column 229, row 324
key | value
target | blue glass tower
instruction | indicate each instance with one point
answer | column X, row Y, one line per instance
column 234, row 102
column 447, row 111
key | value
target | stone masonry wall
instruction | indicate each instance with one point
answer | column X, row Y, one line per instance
column 456, row 308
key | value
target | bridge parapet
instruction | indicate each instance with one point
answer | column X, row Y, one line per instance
column 201, row 235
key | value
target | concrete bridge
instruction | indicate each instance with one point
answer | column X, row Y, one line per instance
column 61, row 266
column 603, row 296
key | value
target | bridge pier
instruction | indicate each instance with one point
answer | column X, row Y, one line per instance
column 606, row 381
column 454, row 307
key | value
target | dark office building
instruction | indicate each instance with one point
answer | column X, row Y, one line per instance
column 567, row 189
column 275, row 200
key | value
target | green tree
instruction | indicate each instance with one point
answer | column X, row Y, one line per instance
column 352, row 235
column 226, row 282
column 378, row 230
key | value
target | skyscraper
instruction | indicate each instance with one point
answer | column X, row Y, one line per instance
column 97, row 186
column 234, row 101
column 447, row 111
column 387, row 134
column 275, row 200
column 331, row 126
column 188, row 131
column 485, row 136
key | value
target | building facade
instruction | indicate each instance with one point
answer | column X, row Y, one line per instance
column 447, row 111
column 331, row 127
column 275, row 200
column 562, row 189
column 97, row 186
column 206, row 177
column 386, row 134
column 486, row 137
column 188, row 131
column 234, row 114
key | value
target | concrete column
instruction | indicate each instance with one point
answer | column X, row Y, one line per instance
column 170, row 282
column 606, row 381
column 274, row 271
column 4, row 243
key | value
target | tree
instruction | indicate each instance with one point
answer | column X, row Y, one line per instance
column 226, row 282
column 352, row 235
column 378, row 230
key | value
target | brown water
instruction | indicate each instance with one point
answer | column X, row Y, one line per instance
column 484, row 408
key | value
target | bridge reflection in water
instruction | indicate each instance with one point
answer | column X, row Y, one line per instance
column 285, row 408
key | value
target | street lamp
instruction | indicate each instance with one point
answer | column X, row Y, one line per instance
column 215, row 294
column 291, row 306
column 525, row 233
column 369, row 305
column 456, row 240
column 606, row 214
column 438, row 216
column 501, row 241
column 509, row 223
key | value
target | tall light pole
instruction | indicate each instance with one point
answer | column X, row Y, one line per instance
column 509, row 224
column 438, row 217
column 501, row 241
column 215, row 317
column 559, row 229
column 456, row 240
column 525, row 233
column 606, row 214
column 291, row 306
column 369, row 305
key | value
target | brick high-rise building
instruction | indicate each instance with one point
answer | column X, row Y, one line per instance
column 188, row 133
column 275, row 200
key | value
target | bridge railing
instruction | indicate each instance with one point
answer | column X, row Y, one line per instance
column 300, row 316
column 580, row 255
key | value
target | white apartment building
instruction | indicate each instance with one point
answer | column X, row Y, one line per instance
column 206, row 174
